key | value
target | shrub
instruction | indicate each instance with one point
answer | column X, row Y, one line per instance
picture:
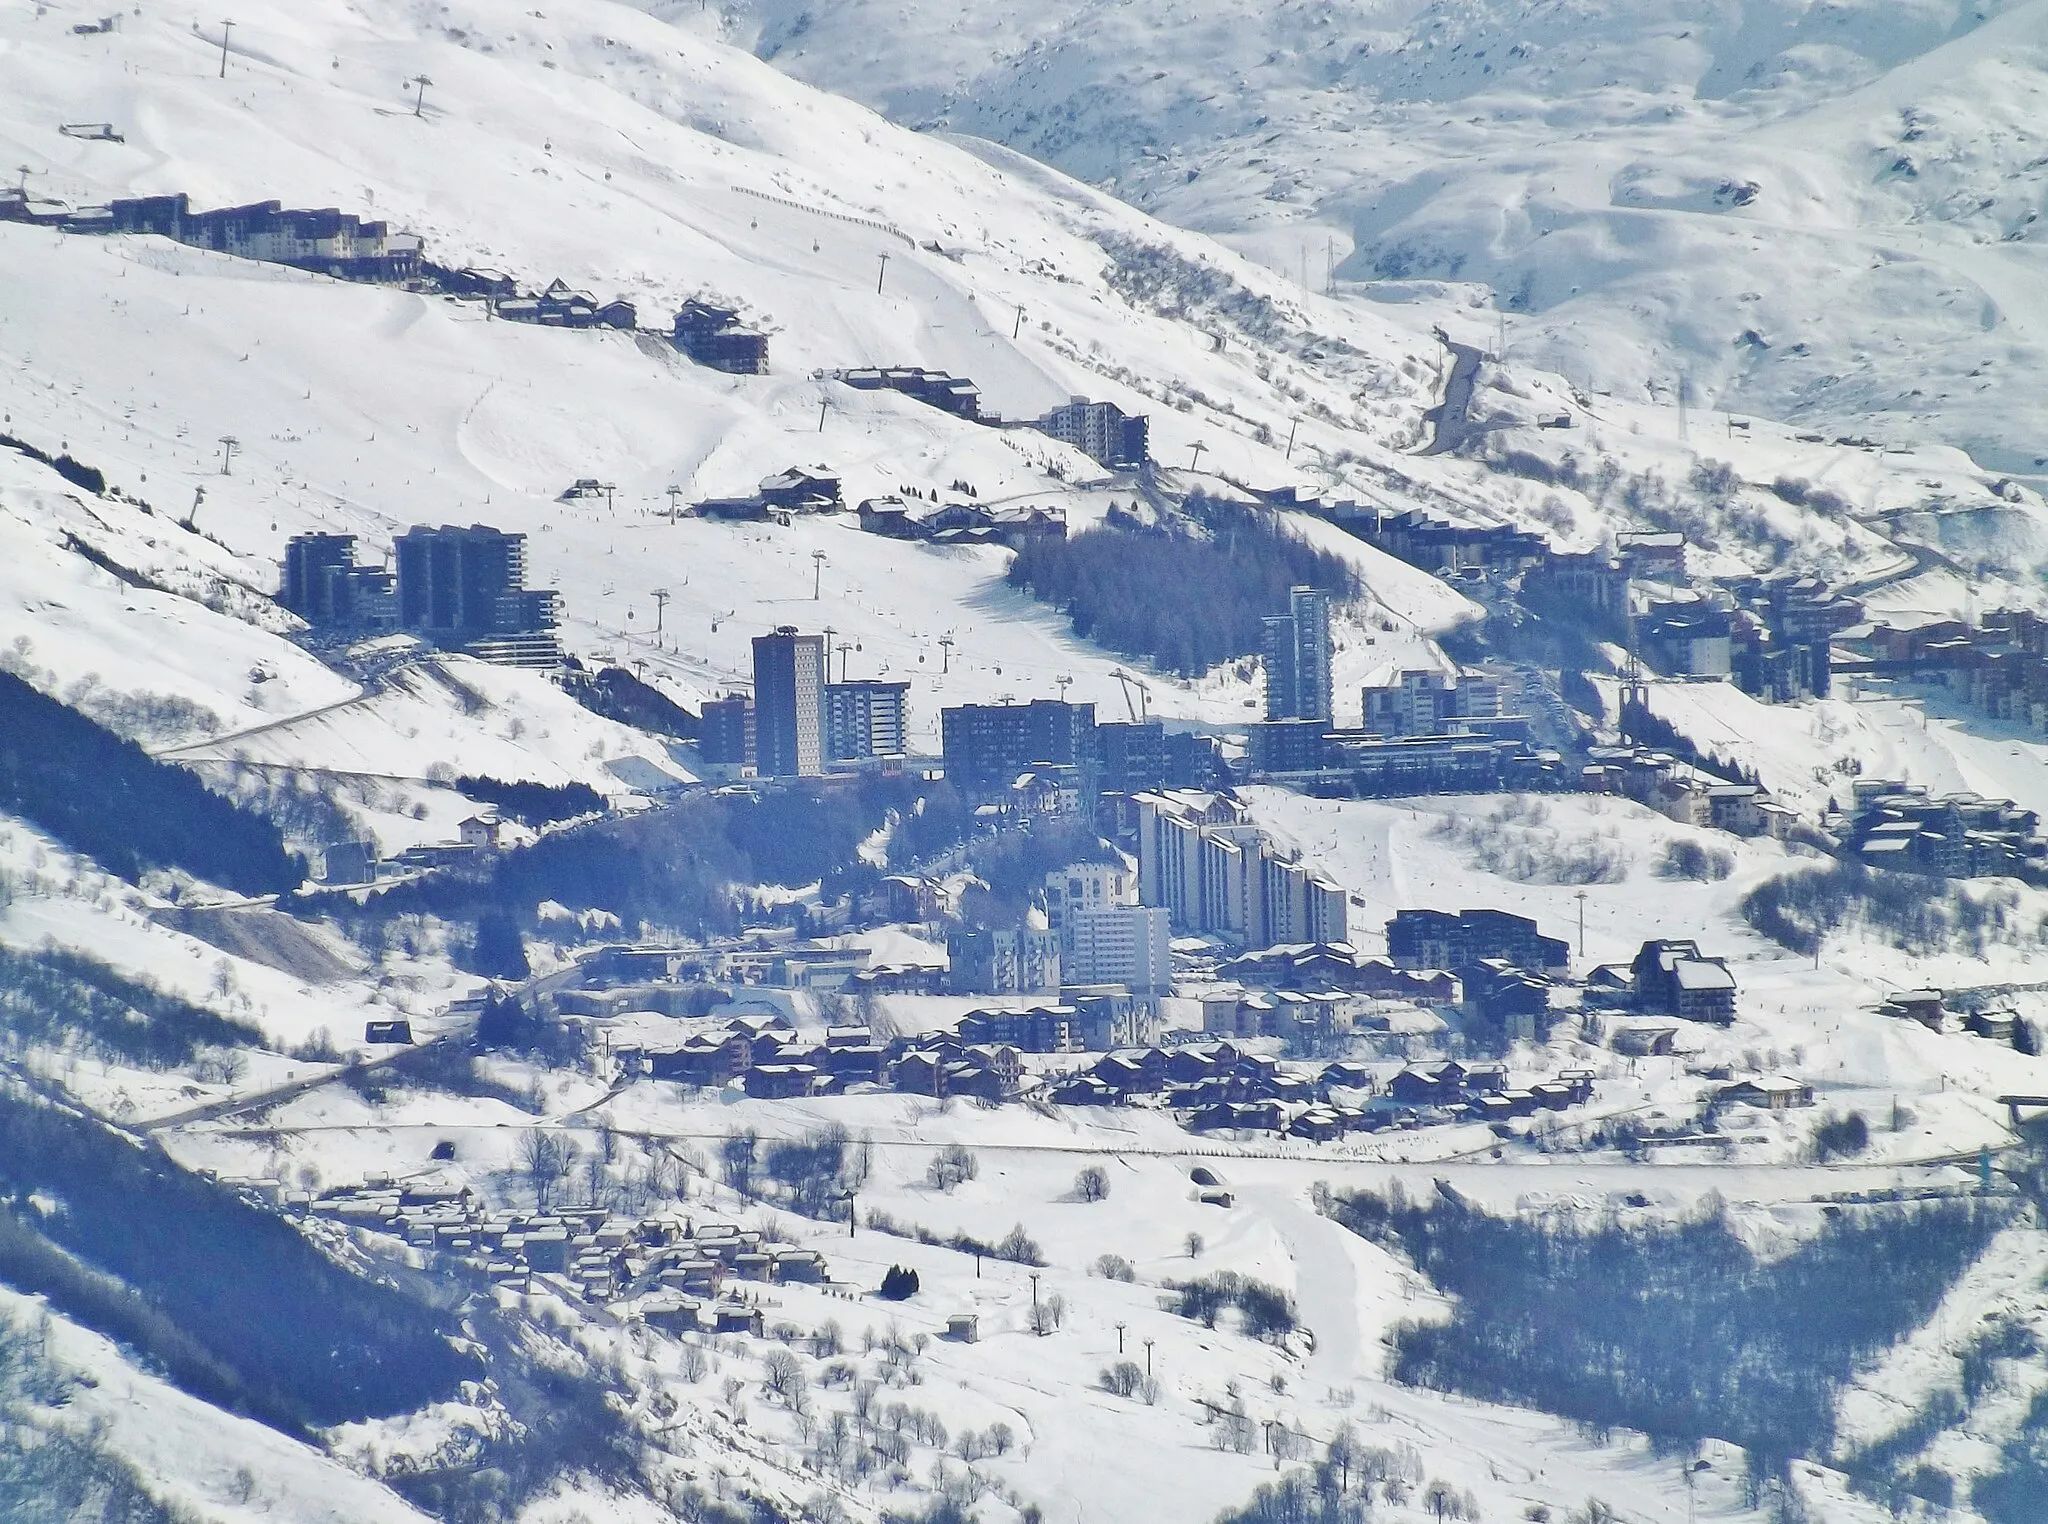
column 950, row 1166
column 1019, row 1248
column 1123, row 1378
column 1688, row 859
column 1114, row 1267
column 1841, row 1137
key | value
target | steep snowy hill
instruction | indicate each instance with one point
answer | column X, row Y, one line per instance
column 1816, row 212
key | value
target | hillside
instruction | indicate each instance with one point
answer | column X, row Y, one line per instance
column 1822, row 213
column 528, row 1164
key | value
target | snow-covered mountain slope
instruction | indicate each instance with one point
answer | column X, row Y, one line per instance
column 1825, row 212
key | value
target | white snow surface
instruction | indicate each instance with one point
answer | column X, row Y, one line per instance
column 1822, row 212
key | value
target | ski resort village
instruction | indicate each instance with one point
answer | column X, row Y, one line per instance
column 1065, row 788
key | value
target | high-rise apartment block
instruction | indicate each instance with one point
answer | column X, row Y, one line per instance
column 1297, row 657
column 789, row 704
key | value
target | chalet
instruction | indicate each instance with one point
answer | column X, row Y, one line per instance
column 1439, row 939
column 920, row 1073
column 1036, row 1029
column 801, row 491
column 714, row 337
column 1478, row 1078
column 1000, row 1060
column 892, row 518
column 1923, row 1006
column 1644, row 1039
column 737, row 1317
column 1088, row 1090
column 778, row 1082
column 950, row 394
column 1771, row 1092
column 1421, row 1085
column 491, row 285
column 1652, row 557
column 671, row 1313
column 1319, row 1124
column 801, row 1265
column 1997, row 1026
column 480, row 831
column 1674, row 978
column 560, row 306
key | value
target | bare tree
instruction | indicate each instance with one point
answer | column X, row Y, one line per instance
column 950, row 1166
column 544, row 1157
column 783, row 1375
column 738, row 1157
column 1092, row 1184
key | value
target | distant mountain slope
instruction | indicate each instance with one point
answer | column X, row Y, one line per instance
column 1816, row 212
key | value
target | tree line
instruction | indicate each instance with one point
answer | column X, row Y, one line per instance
column 56, row 997
column 1676, row 1329
column 108, row 799
column 230, row 1299
column 1181, row 601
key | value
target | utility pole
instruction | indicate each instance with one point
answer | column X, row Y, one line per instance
column 879, row 274
column 609, row 489
column 228, row 445
column 946, row 656
column 675, row 495
column 849, row 1212
column 1582, row 925
column 419, row 82
column 1119, row 1338
column 1148, row 1357
column 844, row 647
column 817, row 575
column 21, row 186
column 1197, row 447
column 823, row 403
column 1037, row 1322
column 661, row 597
column 829, row 633
column 1018, row 326
column 1291, row 429
column 225, row 28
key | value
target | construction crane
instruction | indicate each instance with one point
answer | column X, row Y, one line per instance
column 1142, row 710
